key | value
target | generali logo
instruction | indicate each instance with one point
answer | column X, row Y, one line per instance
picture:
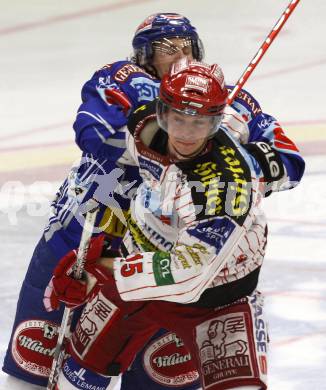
column 167, row 361
column 33, row 346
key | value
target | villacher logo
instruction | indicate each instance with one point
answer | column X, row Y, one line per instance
column 33, row 346
column 168, row 362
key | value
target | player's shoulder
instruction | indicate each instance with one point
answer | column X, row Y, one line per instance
column 123, row 71
column 145, row 111
column 245, row 104
column 126, row 76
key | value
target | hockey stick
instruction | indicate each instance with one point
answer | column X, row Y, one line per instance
column 64, row 331
column 262, row 50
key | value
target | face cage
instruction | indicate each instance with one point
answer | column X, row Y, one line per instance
column 162, row 109
column 166, row 46
column 143, row 56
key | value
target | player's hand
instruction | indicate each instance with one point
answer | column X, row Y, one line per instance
column 73, row 293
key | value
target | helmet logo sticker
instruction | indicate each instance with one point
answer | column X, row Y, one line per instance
column 197, row 83
column 217, row 72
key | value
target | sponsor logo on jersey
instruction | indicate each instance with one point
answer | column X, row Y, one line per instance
column 182, row 258
column 239, row 189
column 162, row 268
column 147, row 89
column 214, row 233
column 154, row 169
column 190, row 252
column 260, row 331
column 224, row 349
column 105, row 82
column 142, row 241
column 221, row 185
column 124, row 73
column 168, row 362
column 265, row 122
column 210, row 176
column 248, row 102
column 96, row 316
column 75, row 376
column 158, row 238
column 259, row 323
column 33, row 346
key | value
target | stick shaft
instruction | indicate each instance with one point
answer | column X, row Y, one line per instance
column 64, row 331
column 86, row 237
column 262, row 50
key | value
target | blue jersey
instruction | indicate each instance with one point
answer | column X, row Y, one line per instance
column 107, row 100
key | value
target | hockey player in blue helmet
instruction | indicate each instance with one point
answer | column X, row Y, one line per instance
column 162, row 36
column 108, row 97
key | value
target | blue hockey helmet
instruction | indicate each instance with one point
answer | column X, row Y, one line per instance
column 164, row 25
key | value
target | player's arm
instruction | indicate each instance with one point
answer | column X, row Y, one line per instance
column 265, row 139
column 108, row 98
column 185, row 272
column 180, row 275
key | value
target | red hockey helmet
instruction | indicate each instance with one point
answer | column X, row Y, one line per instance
column 193, row 88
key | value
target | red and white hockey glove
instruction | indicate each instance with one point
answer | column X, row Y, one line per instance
column 73, row 293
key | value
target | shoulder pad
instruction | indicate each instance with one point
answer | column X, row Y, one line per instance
column 141, row 113
column 244, row 101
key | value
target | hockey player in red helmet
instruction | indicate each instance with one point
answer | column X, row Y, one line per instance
column 197, row 206
column 190, row 106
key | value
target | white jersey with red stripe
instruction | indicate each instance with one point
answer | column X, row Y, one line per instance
column 193, row 225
